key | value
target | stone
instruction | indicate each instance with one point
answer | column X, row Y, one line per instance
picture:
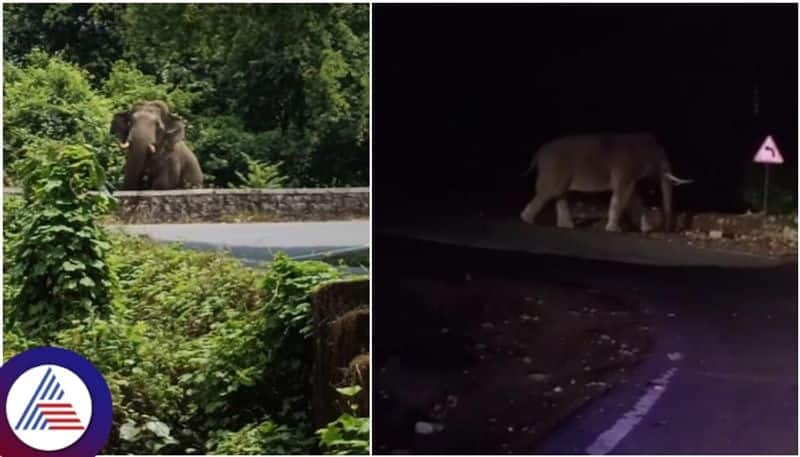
column 217, row 205
column 715, row 234
column 790, row 234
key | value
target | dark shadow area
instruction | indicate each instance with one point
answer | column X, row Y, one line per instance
column 481, row 343
column 463, row 96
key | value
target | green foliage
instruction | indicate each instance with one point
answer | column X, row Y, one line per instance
column 89, row 35
column 287, row 289
column 198, row 355
column 49, row 98
column 298, row 73
column 348, row 434
column 273, row 83
column 127, row 85
column 59, row 255
column 264, row 438
column 261, row 175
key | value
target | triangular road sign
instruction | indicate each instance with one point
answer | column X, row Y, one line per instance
column 768, row 152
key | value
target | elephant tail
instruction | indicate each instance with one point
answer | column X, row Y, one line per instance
column 532, row 166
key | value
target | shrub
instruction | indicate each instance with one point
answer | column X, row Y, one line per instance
column 261, row 175
column 265, row 438
column 348, row 434
column 201, row 354
column 59, row 255
column 127, row 85
column 48, row 98
column 287, row 288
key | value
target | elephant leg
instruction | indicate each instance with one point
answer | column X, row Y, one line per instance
column 619, row 201
column 535, row 207
column 167, row 176
column 562, row 212
column 638, row 214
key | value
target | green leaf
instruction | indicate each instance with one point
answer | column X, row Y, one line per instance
column 158, row 428
column 129, row 431
column 350, row 391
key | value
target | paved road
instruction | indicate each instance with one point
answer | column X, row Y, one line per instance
column 256, row 243
column 727, row 340
column 722, row 376
column 581, row 243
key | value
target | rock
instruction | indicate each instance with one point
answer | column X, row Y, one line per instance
column 715, row 234
column 425, row 428
column 790, row 234
column 675, row 356
column 452, row 401
column 539, row 377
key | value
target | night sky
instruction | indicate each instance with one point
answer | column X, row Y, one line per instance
column 464, row 94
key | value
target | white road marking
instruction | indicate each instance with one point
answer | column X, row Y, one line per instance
column 609, row 439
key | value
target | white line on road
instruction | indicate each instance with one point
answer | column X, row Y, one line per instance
column 609, row 439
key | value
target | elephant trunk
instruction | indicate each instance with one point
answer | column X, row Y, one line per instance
column 134, row 165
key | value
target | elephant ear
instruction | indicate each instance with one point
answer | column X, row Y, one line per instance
column 174, row 129
column 121, row 125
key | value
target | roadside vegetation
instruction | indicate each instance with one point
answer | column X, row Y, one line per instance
column 202, row 354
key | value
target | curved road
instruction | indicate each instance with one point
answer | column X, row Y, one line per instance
column 722, row 375
column 256, row 243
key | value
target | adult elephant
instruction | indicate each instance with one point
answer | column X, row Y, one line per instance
column 156, row 155
column 598, row 163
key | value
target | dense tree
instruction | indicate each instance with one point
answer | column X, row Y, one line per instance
column 87, row 34
column 273, row 84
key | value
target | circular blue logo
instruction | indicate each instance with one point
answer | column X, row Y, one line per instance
column 53, row 403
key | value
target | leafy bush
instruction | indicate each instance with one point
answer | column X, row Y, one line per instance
column 90, row 35
column 261, row 175
column 127, row 85
column 265, row 438
column 202, row 355
column 348, row 434
column 59, row 256
column 282, row 84
column 287, row 289
column 49, row 98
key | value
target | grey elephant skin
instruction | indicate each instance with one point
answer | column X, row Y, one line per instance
column 156, row 155
column 602, row 162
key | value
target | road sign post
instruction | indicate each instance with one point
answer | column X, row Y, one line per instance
column 766, row 186
column 767, row 154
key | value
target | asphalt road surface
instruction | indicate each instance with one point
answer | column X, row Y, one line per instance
column 722, row 375
column 256, row 243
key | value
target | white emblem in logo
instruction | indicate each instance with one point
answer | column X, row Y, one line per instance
column 49, row 408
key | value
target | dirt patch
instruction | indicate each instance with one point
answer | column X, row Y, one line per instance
column 751, row 233
column 488, row 364
column 757, row 234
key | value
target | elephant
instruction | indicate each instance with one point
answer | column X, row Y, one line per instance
column 597, row 163
column 156, row 155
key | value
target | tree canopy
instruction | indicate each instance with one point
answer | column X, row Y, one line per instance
column 260, row 84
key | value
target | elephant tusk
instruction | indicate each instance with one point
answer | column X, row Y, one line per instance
column 151, row 148
column 125, row 145
column 676, row 180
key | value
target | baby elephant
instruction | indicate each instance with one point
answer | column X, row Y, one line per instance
column 599, row 163
column 157, row 156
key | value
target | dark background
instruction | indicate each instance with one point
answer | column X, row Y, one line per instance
column 464, row 94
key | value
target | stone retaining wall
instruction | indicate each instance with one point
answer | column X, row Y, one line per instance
column 230, row 205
